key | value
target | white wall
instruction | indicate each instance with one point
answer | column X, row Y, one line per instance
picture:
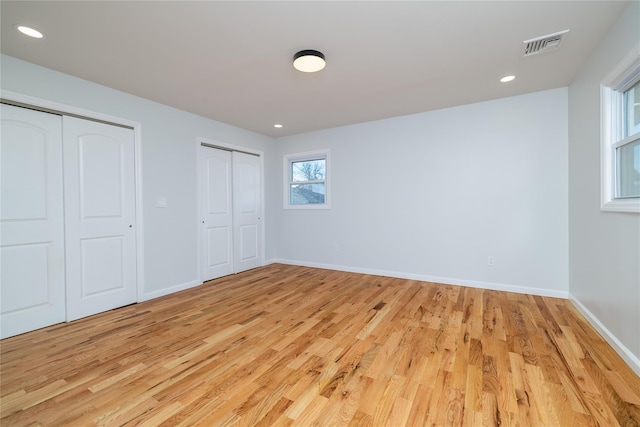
column 433, row 195
column 604, row 258
column 168, row 163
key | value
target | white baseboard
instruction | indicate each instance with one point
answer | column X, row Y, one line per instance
column 171, row 290
column 623, row 352
column 426, row 278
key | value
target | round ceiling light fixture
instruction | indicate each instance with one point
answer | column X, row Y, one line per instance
column 29, row 31
column 309, row 61
column 506, row 79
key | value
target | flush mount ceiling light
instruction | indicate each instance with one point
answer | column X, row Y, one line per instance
column 309, row 61
column 29, row 32
column 277, row 125
column 506, row 79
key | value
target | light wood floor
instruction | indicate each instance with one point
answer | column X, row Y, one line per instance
column 284, row 345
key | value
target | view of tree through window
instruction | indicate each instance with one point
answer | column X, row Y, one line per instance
column 307, row 185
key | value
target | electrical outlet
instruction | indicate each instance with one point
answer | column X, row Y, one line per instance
column 491, row 261
column 161, row 202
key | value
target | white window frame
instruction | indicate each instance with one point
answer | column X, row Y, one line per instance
column 611, row 125
column 287, row 179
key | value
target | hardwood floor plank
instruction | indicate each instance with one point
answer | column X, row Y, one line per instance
column 285, row 345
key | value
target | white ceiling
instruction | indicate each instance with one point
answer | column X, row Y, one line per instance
column 231, row 61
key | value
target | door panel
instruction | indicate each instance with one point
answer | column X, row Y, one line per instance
column 247, row 205
column 32, row 240
column 24, row 151
column 215, row 182
column 217, row 168
column 99, row 217
column 218, row 239
column 102, row 178
column 249, row 242
column 35, row 278
column 102, row 261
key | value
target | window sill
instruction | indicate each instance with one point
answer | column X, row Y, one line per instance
column 621, row 205
column 304, row 207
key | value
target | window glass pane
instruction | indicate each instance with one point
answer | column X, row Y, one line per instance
column 307, row 194
column 628, row 161
column 308, row 170
column 632, row 110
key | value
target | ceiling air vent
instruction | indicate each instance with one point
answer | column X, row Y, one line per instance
column 544, row 43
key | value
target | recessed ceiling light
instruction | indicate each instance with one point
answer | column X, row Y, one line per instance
column 30, row 32
column 506, row 79
column 309, row 61
column 277, row 125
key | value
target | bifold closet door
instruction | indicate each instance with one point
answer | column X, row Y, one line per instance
column 100, row 237
column 31, row 211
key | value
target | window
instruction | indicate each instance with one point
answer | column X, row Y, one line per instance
column 628, row 149
column 306, row 180
column 621, row 137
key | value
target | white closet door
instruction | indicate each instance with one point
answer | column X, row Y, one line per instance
column 216, row 231
column 31, row 211
column 247, row 208
column 99, row 217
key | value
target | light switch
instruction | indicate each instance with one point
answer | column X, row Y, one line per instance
column 161, row 202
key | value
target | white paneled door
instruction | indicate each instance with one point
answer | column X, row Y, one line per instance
column 231, row 201
column 216, row 230
column 247, row 201
column 99, row 202
column 31, row 210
